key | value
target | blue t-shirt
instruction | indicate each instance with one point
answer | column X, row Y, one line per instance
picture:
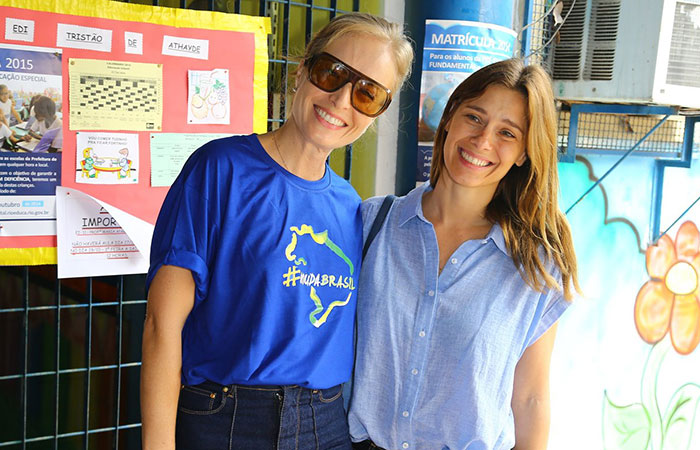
column 275, row 259
column 436, row 351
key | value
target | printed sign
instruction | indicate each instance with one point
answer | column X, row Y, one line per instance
column 133, row 43
column 189, row 48
column 88, row 38
column 19, row 30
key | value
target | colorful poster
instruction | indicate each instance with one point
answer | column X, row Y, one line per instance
column 169, row 151
column 115, row 95
column 28, row 173
column 453, row 50
column 107, row 158
column 208, row 96
column 95, row 238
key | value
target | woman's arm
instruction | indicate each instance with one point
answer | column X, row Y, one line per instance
column 170, row 300
column 531, row 394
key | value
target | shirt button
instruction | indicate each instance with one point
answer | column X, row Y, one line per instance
column 404, row 445
column 422, row 333
column 431, row 292
column 414, row 371
column 454, row 261
column 405, row 414
column 484, row 241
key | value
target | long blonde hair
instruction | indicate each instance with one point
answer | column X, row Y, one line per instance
column 525, row 203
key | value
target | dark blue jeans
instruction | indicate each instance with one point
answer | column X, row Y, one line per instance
column 214, row 417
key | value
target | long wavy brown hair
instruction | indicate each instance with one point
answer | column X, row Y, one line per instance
column 525, row 203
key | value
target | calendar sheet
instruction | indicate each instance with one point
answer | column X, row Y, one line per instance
column 115, row 95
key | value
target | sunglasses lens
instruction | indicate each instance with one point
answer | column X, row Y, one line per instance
column 328, row 75
column 368, row 97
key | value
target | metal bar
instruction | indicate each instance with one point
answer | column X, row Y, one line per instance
column 625, row 109
column 72, row 434
column 646, row 153
column 677, row 219
column 525, row 43
column 25, row 368
column 117, row 402
column 58, row 361
column 634, row 147
column 88, row 357
column 77, row 305
column 659, row 172
column 570, row 155
column 64, row 371
column 285, row 67
column 308, row 22
column 306, row 5
column 657, row 193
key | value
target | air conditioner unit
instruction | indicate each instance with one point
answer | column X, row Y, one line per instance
column 629, row 51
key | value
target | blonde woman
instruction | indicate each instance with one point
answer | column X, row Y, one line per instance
column 255, row 261
column 462, row 288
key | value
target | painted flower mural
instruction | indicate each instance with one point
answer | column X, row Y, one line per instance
column 670, row 300
column 667, row 304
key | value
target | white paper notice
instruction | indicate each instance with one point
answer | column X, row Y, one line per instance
column 96, row 239
column 189, row 48
column 107, row 158
column 133, row 43
column 75, row 36
column 208, row 97
column 19, row 30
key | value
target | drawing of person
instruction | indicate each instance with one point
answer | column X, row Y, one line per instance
column 88, row 162
column 124, row 163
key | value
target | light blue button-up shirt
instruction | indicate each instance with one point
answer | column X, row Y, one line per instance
column 436, row 352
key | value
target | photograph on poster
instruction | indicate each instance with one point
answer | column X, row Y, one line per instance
column 208, row 96
column 31, row 138
column 107, row 158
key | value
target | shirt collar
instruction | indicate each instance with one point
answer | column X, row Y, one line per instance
column 496, row 235
column 412, row 206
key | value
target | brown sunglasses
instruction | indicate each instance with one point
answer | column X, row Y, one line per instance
column 329, row 74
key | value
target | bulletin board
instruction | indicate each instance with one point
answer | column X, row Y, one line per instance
column 143, row 74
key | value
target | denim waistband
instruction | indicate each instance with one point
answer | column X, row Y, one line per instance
column 293, row 391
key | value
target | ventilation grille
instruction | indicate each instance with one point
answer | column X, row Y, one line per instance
column 569, row 47
column 684, row 58
column 600, row 54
